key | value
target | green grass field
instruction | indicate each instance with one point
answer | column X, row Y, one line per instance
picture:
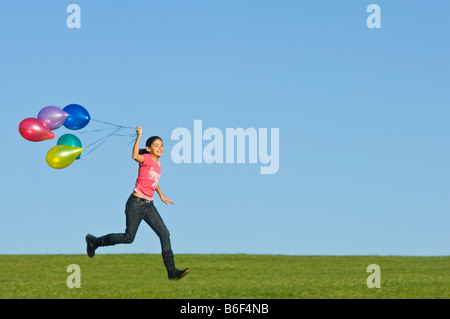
column 224, row 276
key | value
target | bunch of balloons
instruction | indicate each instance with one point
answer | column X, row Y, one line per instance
column 50, row 118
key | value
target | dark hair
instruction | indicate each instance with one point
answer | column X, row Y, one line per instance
column 149, row 143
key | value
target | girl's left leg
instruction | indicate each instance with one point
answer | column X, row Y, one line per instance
column 134, row 212
column 154, row 220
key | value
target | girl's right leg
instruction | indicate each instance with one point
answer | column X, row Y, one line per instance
column 154, row 220
column 134, row 214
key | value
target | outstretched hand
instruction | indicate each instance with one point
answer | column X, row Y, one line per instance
column 166, row 200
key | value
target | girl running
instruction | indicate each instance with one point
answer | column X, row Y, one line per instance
column 140, row 206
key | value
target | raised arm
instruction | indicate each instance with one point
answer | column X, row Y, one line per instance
column 136, row 156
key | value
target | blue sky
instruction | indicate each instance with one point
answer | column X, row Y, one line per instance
column 362, row 115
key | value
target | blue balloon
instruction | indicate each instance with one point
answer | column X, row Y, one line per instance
column 78, row 117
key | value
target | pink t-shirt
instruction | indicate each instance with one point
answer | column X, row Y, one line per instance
column 147, row 180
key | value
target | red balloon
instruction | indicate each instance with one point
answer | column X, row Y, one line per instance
column 35, row 130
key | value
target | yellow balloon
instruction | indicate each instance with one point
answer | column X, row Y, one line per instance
column 61, row 156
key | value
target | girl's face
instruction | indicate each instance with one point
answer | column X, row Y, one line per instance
column 156, row 148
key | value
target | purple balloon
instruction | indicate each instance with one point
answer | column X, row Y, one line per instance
column 53, row 116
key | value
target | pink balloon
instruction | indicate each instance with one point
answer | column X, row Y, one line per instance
column 53, row 116
column 35, row 130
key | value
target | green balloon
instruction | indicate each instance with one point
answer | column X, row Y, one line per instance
column 71, row 140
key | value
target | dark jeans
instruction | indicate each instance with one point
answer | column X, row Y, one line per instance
column 138, row 209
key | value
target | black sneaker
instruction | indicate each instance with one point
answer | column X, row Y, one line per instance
column 91, row 242
column 178, row 274
column 172, row 272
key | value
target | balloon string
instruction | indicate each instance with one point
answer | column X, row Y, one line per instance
column 99, row 130
column 107, row 123
column 102, row 140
